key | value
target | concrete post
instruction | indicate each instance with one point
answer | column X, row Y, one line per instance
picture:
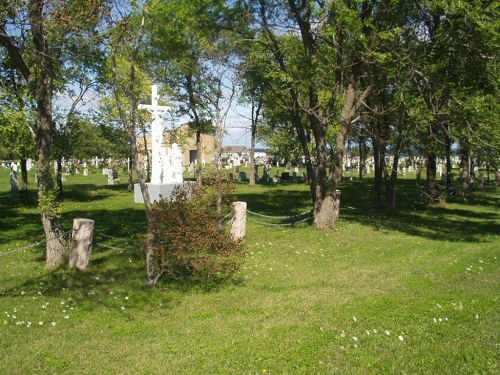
column 239, row 222
column 83, row 232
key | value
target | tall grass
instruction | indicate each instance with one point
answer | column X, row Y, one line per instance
column 413, row 293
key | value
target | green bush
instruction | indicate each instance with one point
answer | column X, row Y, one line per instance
column 191, row 242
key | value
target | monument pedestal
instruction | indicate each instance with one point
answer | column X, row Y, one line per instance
column 155, row 190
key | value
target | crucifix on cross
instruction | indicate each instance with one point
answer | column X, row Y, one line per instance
column 159, row 159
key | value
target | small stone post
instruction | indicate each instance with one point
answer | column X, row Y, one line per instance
column 83, row 232
column 239, row 222
column 14, row 181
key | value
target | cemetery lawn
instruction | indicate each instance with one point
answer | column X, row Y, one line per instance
column 416, row 293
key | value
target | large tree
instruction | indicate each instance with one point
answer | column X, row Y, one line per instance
column 36, row 34
column 315, row 52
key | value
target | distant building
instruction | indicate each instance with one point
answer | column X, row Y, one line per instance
column 185, row 137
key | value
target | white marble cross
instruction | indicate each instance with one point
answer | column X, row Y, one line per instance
column 158, row 153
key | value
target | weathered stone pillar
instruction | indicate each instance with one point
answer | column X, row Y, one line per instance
column 83, row 232
column 239, row 222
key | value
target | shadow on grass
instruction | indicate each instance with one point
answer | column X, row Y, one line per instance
column 413, row 217
column 276, row 199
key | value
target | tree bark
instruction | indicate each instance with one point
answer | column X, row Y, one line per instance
column 44, row 87
column 431, row 186
column 59, row 183
column 449, row 174
column 24, row 180
column 392, row 180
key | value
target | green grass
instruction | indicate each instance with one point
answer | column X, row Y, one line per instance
column 304, row 302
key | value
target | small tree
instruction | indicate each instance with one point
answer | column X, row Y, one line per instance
column 190, row 244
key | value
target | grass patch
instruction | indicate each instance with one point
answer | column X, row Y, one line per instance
column 413, row 293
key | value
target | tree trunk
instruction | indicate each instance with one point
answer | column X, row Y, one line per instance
column 449, row 174
column 252, row 154
column 56, row 242
column 130, row 186
column 361, row 158
column 24, row 180
column 392, row 180
column 465, row 177
column 431, row 187
column 378, row 166
column 59, row 183
column 44, row 93
column 199, row 154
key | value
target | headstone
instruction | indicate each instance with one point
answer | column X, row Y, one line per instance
column 243, row 176
column 481, row 180
column 265, row 175
column 285, row 176
column 85, row 171
column 288, row 166
column 14, row 181
column 83, row 232
column 112, row 176
column 368, row 169
column 239, row 221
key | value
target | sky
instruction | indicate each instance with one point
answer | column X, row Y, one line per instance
column 237, row 123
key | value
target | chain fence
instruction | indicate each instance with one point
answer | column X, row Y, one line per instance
column 306, row 213
column 33, row 245
column 227, row 219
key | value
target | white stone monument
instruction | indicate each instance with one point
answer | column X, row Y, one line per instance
column 166, row 164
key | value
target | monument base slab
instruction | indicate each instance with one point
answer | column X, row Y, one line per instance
column 156, row 191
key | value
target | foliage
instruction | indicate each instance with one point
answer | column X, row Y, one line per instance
column 190, row 243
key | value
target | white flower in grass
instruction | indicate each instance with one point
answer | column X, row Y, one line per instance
column 40, row 323
column 342, row 334
column 355, row 346
column 368, row 332
column 401, row 338
column 23, row 292
column 354, row 318
column 477, row 316
column 53, row 324
column 387, row 332
column 355, row 338
column 126, row 297
column 5, row 322
column 66, row 316
column 28, row 324
column 374, row 330
column 435, row 320
column 123, row 307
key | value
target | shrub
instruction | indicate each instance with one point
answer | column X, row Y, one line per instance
column 190, row 242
